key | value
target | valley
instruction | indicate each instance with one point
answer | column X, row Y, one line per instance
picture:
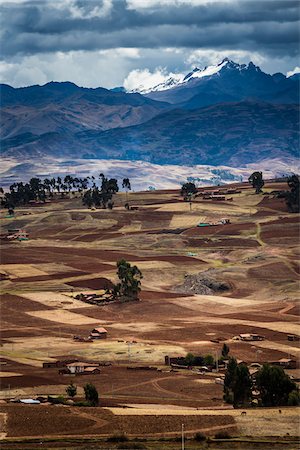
column 72, row 249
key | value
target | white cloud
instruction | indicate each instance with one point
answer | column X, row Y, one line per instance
column 144, row 4
column 89, row 10
column 207, row 57
column 144, row 79
column 133, row 53
column 292, row 72
column 106, row 68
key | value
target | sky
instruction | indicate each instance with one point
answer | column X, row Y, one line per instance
column 130, row 43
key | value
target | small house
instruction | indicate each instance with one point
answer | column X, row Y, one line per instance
column 285, row 363
column 78, row 368
column 293, row 337
column 91, row 370
column 58, row 364
column 251, row 337
column 98, row 333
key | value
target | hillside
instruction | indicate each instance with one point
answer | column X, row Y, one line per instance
column 224, row 134
column 65, row 108
column 230, row 114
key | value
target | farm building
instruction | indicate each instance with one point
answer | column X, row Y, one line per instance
column 81, row 368
column 59, row 364
column 293, row 337
column 98, row 333
column 251, row 337
column 286, row 363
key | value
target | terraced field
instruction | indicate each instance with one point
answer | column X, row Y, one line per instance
column 73, row 250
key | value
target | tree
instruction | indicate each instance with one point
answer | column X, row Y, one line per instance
column 225, row 351
column 208, row 360
column 242, row 388
column 294, row 398
column 189, row 359
column 274, row 385
column 130, row 280
column 292, row 197
column 256, row 179
column 91, row 394
column 127, row 186
column 237, row 384
column 188, row 189
column 71, row 390
column 229, row 380
column 68, row 181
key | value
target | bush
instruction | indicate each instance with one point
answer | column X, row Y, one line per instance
column 222, row 435
column 82, row 403
column 91, row 394
column 71, row 390
column 60, row 400
column 200, row 437
column 117, row 438
column 294, row 398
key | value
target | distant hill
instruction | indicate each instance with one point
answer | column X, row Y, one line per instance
column 228, row 114
column 232, row 134
column 65, row 108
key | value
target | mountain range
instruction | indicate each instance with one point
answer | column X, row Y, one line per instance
column 225, row 114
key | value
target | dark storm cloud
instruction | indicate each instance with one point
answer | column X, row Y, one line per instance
column 270, row 27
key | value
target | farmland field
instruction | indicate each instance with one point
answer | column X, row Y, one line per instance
column 72, row 250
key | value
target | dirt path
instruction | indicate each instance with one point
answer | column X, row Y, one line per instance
column 287, row 308
column 98, row 422
column 159, row 389
column 153, row 380
column 258, row 234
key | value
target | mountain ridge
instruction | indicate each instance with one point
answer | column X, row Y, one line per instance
column 225, row 114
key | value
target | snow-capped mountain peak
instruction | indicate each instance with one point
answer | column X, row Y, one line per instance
column 177, row 80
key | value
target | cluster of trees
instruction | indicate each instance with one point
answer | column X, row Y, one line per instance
column 206, row 360
column 292, row 197
column 39, row 190
column 36, row 189
column 90, row 393
column 102, row 196
column 273, row 387
column 129, row 285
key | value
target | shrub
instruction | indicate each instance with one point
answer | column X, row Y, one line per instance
column 222, row 435
column 200, row 437
column 294, row 398
column 60, row 400
column 91, row 394
column 117, row 438
column 82, row 403
column 71, row 390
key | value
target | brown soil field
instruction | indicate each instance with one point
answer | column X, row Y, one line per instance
column 273, row 271
column 221, row 230
column 72, row 249
column 46, row 421
column 92, row 283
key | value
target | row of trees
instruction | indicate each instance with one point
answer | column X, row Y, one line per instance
column 207, row 360
column 271, row 386
column 39, row 190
